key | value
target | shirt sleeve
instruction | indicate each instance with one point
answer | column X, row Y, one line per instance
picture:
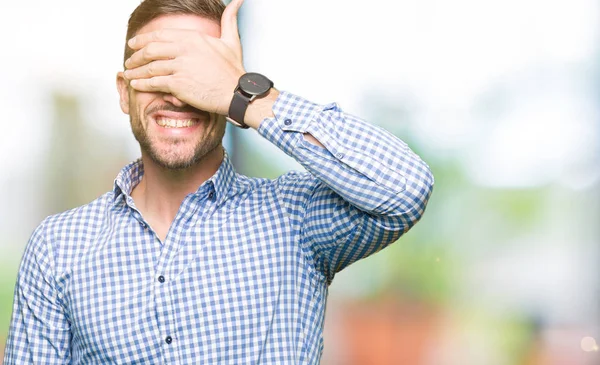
column 39, row 331
column 364, row 189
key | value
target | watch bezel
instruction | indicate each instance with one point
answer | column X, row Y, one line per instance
column 248, row 84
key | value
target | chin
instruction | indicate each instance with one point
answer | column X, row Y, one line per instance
column 176, row 165
column 175, row 162
column 180, row 157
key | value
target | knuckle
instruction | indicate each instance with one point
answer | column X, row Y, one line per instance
column 151, row 50
column 150, row 70
column 176, row 63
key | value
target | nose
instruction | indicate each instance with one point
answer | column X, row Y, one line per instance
column 173, row 100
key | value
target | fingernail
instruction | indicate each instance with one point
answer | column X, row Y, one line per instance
column 133, row 82
column 131, row 42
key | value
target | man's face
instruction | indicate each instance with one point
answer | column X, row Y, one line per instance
column 173, row 134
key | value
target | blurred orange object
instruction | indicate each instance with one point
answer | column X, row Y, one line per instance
column 387, row 331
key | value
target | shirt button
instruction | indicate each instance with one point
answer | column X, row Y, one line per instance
column 340, row 155
column 143, row 224
column 168, row 340
column 161, row 279
column 211, row 195
column 287, row 122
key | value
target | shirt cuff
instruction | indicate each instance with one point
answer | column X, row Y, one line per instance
column 294, row 114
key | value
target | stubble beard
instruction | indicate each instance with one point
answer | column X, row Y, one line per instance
column 174, row 158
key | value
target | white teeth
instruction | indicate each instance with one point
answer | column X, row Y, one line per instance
column 175, row 123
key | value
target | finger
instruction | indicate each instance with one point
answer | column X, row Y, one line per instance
column 154, row 68
column 154, row 84
column 162, row 35
column 229, row 24
column 152, row 52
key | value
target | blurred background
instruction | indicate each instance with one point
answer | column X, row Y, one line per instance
column 499, row 97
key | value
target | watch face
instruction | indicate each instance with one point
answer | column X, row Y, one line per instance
column 255, row 84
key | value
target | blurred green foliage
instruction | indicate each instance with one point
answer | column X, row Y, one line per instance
column 8, row 275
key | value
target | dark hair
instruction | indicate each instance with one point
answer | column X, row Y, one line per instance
column 149, row 10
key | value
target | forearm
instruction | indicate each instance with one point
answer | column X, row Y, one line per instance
column 366, row 165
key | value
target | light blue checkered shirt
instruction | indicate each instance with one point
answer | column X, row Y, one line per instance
column 242, row 275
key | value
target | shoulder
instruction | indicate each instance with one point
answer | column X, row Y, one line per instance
column 66, row 235
column 80, row 219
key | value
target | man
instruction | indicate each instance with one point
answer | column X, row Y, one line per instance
column 186, row 261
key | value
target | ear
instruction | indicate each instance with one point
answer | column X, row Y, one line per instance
column 123, row 92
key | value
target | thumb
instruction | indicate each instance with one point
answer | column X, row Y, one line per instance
column 229, row 26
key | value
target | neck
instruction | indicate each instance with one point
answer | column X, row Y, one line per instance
column 161, row 191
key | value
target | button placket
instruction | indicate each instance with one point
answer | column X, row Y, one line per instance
column 165, row 307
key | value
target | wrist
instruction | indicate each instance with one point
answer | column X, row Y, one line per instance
column 260, row 109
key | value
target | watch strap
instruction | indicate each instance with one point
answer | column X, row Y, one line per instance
column 237, row 109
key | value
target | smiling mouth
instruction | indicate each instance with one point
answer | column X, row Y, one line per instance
column 176, row 123
column 169, row 118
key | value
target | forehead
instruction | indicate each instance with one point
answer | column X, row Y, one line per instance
column 183, row 21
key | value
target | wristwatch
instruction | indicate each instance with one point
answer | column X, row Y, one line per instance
column 250, row 86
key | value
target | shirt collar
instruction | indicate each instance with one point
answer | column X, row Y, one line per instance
column 222, row 181
column 127, row 179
